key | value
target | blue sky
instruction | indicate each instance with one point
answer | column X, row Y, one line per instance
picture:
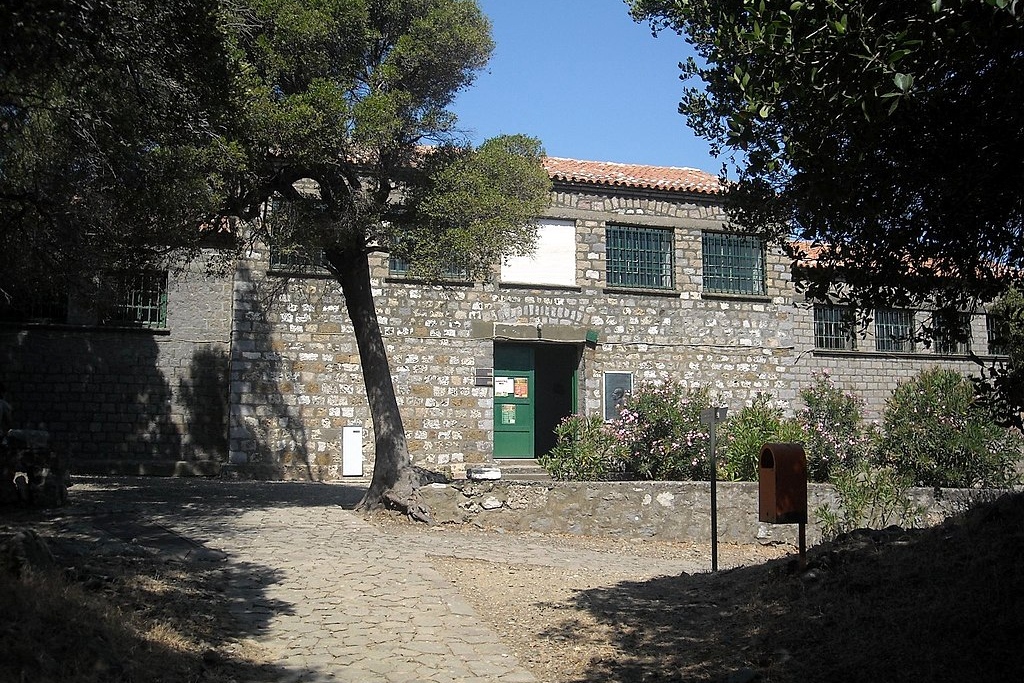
column 587, row 80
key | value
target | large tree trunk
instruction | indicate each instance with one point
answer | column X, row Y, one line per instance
column 395, row 482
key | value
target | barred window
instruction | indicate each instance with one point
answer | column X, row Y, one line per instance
column 296, row 261
column 996, row 329
column 951, row 333
column 400, row 267
column 833, row 328
column 42, row 308
column 279, row 214
column 139, row 300
column 894, row 330
column 733, row 264
column 639, row 257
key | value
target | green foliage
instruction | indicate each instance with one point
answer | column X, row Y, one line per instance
column 112, row 114
column 935, row 434
column 747, row 431
column 856, row 126
column 586, row 450
column 835, row 434
column 476, row 208
column 345, row 107
column 869, row 496
column 660, row 430
column 352, row 99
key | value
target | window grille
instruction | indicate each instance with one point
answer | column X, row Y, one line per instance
column 140, row 300
column 996, row 329
column 733, row 264
column 952, row 333
column 833, row 328
column 51, row 309
column 639, row 257
column 400, row 267
column 291, row 258
column 894, row 330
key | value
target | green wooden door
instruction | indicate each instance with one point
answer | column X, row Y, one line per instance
column 514, row 401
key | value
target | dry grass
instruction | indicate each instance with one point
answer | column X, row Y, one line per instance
column 122, row 617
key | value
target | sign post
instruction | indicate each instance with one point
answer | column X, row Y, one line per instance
column 711, row 417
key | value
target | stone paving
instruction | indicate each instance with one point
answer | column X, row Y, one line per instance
column 328, row 594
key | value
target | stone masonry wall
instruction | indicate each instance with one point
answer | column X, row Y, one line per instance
column 663, row 510
column 115, row 395
column 870, row 374
column 296, row 380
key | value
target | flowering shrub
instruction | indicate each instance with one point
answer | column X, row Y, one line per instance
column 934, row 432
column 747, row 431
column 586, row 450
column 832, row 422
column 661, row 433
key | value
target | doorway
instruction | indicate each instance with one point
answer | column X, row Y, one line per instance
column 534, row 389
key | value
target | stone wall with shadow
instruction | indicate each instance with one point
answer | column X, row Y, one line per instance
column 663, row 510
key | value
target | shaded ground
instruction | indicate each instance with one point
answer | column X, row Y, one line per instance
column 944, row 604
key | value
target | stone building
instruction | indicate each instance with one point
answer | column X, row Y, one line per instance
column 636, row 277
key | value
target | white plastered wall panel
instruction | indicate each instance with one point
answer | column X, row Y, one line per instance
column 552, row 263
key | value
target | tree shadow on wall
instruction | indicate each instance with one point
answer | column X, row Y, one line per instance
column 204, row 394
column 267, row 421
column 99, row 393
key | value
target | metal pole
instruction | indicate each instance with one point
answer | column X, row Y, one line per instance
column 803, row 545
column 714, row 503
column 711, row 417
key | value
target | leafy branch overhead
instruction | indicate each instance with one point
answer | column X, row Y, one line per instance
column 130, row 132
column 888, row 135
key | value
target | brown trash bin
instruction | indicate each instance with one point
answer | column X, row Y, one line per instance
column 782, row 484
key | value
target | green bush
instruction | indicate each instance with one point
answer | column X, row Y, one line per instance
column 835, row 433
column 747, row 431
column 586, row 450
column 659, row 427
column 935, row 433
column 869, row 496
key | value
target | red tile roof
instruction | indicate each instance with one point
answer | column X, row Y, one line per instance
column 667, row 178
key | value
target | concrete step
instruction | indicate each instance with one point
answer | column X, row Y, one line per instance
column 522, row 469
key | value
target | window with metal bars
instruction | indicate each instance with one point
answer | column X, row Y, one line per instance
column 833, row 328
column 639, row 257
column 996, row 330
column 290, row 258
column 894, row 330
column 140, row 300
column 400, row 267
column 49, row 308
column 951, row 333
column 733, row 264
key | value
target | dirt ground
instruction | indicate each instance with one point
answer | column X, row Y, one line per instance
column 939, row 604
column 541, row 592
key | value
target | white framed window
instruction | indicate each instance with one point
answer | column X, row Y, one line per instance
column 139, row 300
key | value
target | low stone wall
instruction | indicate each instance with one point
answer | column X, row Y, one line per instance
column 669, row 511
